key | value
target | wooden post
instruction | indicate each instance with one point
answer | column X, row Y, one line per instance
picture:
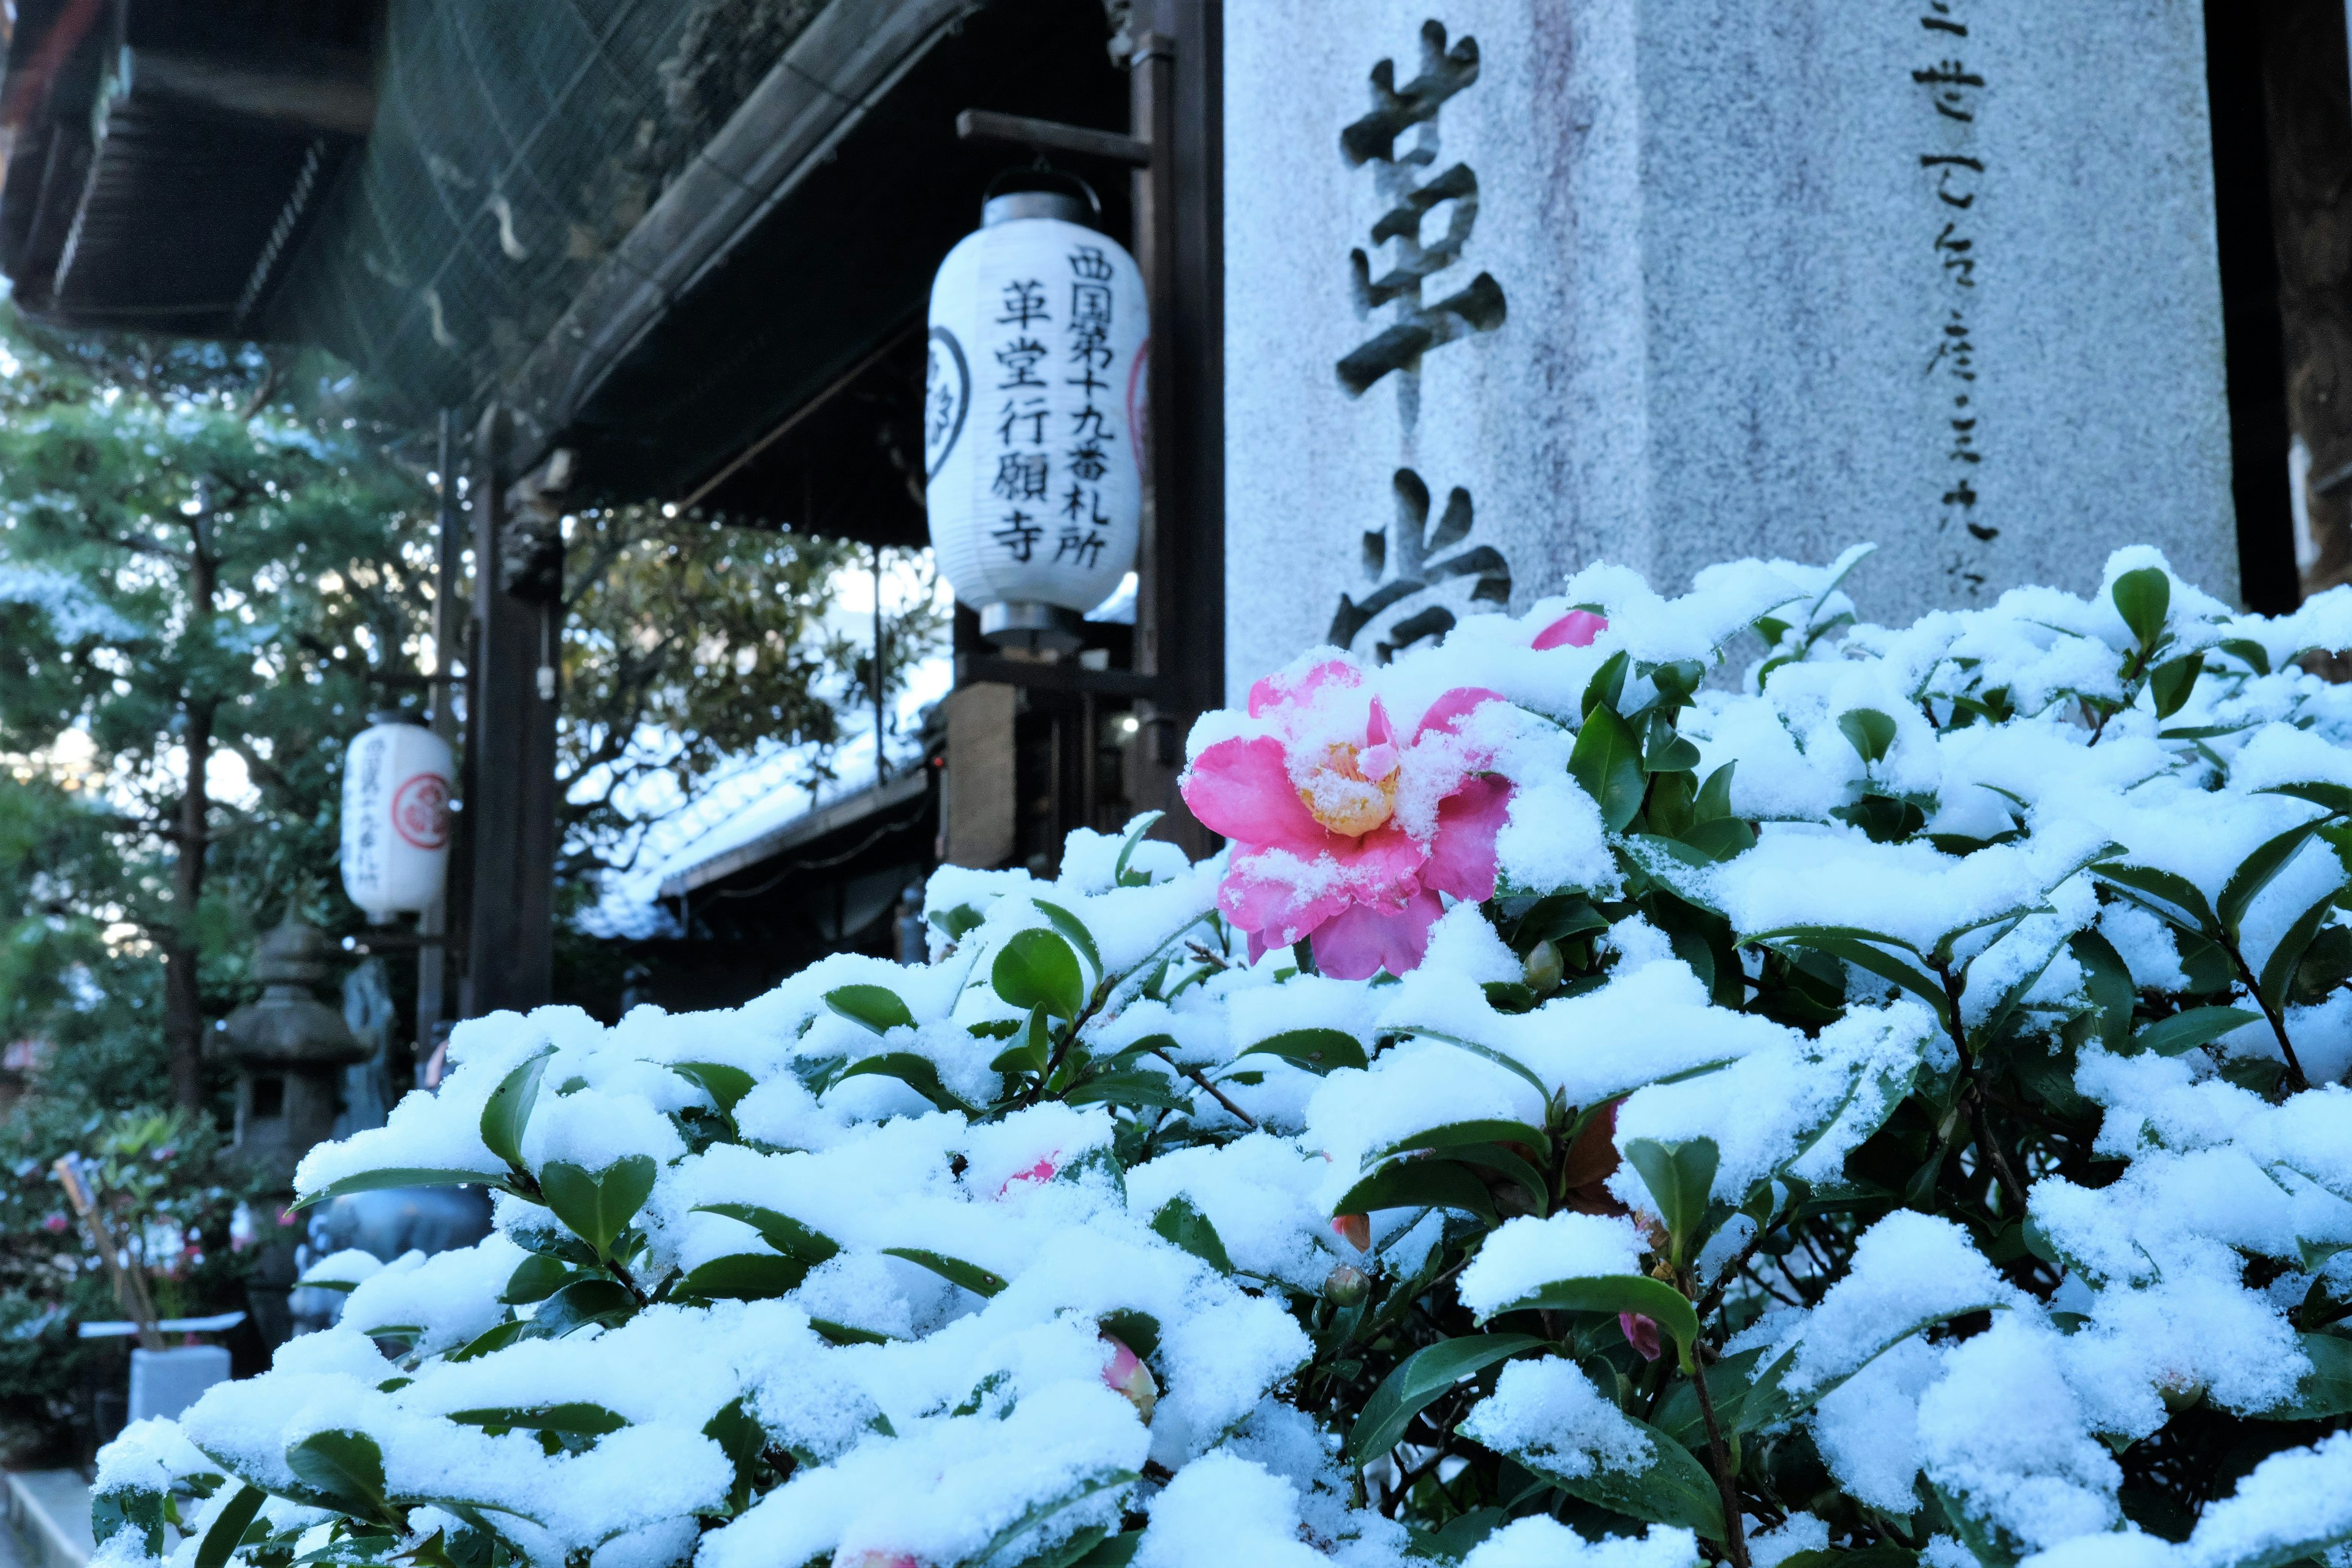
column 1176, row 74
column 448, row 635
column 510, row 811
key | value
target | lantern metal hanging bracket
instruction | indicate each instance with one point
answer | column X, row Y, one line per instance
column 1043, row 136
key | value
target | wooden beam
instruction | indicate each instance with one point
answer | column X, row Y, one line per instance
column 1052, row 136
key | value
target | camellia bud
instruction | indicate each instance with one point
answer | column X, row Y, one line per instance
column 1346, row 1285
column 1641, row 1334
column 1543, row 968
column 1355, row 1230
column 867, row 1557
column 1126, row 1372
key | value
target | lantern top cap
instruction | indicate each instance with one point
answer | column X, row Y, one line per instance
column 1014, row 204
column 296, row 953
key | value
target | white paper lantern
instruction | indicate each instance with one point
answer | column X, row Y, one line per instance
column 1034, row 418
column 396, row 850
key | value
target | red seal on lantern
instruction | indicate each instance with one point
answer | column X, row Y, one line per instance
column 420, row 811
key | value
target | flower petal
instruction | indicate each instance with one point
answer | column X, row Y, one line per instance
column 1575, row 629
column 1361, row 941
column 1462, row 856
column 1242, row 789
column 1448, row 712
column 1276, row 692
column 1378, row 731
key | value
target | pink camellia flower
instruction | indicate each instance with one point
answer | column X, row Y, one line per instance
column 1344, row 830
column 55, row 1223
column 1042, row 1171
column 1127, row 1374
column 1575, row 629
column 1641, row 1334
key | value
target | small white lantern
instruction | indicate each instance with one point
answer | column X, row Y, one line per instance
column 1034, row 418
column 395, row 850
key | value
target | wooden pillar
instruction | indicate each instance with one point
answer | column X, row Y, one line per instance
column 509, row 810
column 2307, row 117
column 1177, row 73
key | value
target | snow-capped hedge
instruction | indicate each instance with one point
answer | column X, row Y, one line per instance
column 1884, row 1107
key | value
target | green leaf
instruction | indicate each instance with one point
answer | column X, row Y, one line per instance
column 1316, row 1050
column 1038, row 969
column 2256, row 871
column 398, row 1176
column 1420, row 1182
column 2177, row 890
column 1721, row 838
column 228, row 1527
column 596, row 1206
column 1613, row 1293
column 2012, row 997
column 781, row 1231
column 2170, row 683
column 1142, row 1089
column 1500, row 1058
column 2278, row 970
column 740, row 1437
column 877, row 1007
column 1868, row 731
column 508, row 1111
column 2255, row 656
column 343, row 1471
column 1607, row 685
column 576, row 1418
column 725, row 1085
column 2336, row 797
column 1862, row 955
column 2325, row 1390
column 1136, row 829
column 1679, row 1176
column 918, row 1073
column 958, row 922
column 497, row 1337
column 2108, row 980
column 1504, row 1162
column 1032, row 1047
column 1181, row 1225
column 741, row 1277
column 535, row 1278
column 1714, row 801
column 577, row 1305
column 845, row 1334
column 1607, row 761
column 1418, row 1382
column 1675, row 1490
column 2142, row 597
column 1074, row 931
column 1664, row 749
column 1037, row 1513
column 2185, row 1031
column 954, row 1271
column 1454, row 1134
column 1113, row 1552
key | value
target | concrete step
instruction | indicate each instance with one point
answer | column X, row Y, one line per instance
column 48, row 1511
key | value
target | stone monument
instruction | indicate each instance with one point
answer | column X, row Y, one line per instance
column 1513, row 286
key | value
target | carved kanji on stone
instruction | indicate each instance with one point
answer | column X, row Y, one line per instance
column 1477, row 308
column 1406, row 561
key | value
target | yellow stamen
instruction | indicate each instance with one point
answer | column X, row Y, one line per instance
column 1342, row 799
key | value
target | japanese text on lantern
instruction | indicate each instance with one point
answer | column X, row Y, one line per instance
column 1953, row 167
column 1051, row 357
column 366, row 862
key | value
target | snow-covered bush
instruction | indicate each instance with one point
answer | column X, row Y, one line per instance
column 1604, row 1108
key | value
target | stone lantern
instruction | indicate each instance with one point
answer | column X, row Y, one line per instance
column 290, row 1049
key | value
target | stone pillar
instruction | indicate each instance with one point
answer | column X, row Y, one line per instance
column 1516, row 285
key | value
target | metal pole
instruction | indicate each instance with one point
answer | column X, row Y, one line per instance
column 881, row 768
column 448, row 633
